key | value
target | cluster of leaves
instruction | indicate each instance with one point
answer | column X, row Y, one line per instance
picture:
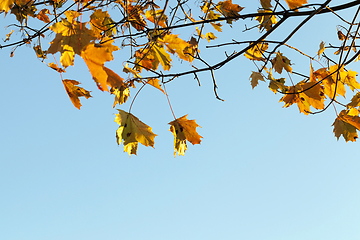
column 148, row 31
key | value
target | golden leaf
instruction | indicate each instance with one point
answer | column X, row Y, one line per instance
column 305, row 94
column 95, row 55
column 184, row 129
column 71, row 37
column 121, row 94
column 101, row 22
column 256, row 52
column 210, row 36
column 346, row 124
column 266, row 21
column 75, row 92
column 350, row 80
column 174, row 44
column 154, row 17
column 155, row 83
column 295, row 3
column 132, row 131
column 5, row 5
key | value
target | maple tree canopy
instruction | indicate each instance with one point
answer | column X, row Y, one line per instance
column 149, row 31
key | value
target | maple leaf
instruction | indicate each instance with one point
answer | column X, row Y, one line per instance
column 135, row 17
column 184, row 130
column 346, row 124
column 155, row 83
column 355, row 101
column 256, row 52
column 71, row 37
column 281, row 62
column 121, row 94
column 127, row 69
column 157, row 17
column 95, row 55
column 174, row 44
column 75, row 92
column 331, row 84
column 39, row 52
column 276, row 84
column 266, row 4
column 266, row 21
column 210, row 36
column 5, row 5
column 22, row 9
column 228, row 9
column 101, row 22
column 255, row 77
column 305, row 94
column 42, row 15
column 350, row 80
column 295, row 3
column 132, row 131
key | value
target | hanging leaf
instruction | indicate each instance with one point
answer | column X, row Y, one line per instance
column 132, row 131
column 75, row 92
column 184, row 130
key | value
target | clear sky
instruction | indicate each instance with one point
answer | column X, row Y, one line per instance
column 261, row 171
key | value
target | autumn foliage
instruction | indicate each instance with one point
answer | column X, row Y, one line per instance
column 147, row 30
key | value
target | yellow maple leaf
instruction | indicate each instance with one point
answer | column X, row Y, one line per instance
column 132, row 131
column 281, row 62
column 210, row 36
column 121, row 94
column 305, row 94
column 5, row 5
column 174, row 44
column 350, row 80
column 155, row 83
column 95, row 55
column 346, row 124
column 154, row 17
column 295, row 3
column 266, row 21
column 75, row 92
column 256, row 52
column 71, row 37
column 101, row 23
column 184, row 130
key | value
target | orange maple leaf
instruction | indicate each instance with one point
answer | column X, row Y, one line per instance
column 75, row 92
column 184, row 129
column 295, row 3
column 95, row 55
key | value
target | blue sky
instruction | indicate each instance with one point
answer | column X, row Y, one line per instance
column 261, row 171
